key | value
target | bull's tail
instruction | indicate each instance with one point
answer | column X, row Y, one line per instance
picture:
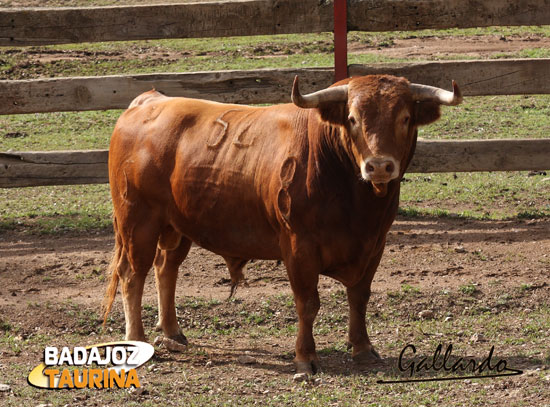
column 110, row 293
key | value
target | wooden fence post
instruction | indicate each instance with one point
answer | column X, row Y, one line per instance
column 340, row 40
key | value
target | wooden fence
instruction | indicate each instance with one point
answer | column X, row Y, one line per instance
column 21, row 27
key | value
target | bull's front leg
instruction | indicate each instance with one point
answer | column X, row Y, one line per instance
column 304, row 277
column 358, row 297
column 307, row 307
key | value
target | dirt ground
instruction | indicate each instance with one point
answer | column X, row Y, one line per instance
column 434, row 253
column 53, row 286
column 44, row 279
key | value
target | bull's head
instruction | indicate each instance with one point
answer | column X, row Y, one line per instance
column 380, row 114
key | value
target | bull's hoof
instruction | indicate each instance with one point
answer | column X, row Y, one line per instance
column 367, row 357
column 308, row 368
column 179, row 338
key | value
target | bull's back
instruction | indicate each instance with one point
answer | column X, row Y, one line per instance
column 204, row 168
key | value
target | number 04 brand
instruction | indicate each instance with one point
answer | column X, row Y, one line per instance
column 106, row 365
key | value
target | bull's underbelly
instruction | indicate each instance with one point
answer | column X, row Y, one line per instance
column 225, row 216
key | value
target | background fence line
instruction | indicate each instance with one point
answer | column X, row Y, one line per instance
column 21, row 27
column 90, row 166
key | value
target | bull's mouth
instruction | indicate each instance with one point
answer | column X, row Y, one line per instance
column 380, row 189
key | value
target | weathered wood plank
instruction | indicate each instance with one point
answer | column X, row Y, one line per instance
column 24, row 169
column 116, row 92
column 255, row 17
column 195, row 20
column 492, row 77
column 475, row 78
column 402, row 15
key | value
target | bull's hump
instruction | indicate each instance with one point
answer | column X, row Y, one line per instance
column 146, row 98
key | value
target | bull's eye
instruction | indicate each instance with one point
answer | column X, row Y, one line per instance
column 406, row 120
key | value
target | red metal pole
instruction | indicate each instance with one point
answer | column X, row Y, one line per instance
column 340, row 40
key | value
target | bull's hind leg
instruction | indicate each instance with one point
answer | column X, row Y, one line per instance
column 140, row 241
column 171, row 251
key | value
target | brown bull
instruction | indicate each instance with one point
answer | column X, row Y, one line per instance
column 314, row 183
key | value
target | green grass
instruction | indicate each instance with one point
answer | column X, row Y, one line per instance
column 498, row 195
column 57, row 131
column 56, row 209
column 493, row 117
column 468, row 289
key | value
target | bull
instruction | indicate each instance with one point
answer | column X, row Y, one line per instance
column 314, row 183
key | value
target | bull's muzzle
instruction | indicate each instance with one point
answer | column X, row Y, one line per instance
column 379, row 171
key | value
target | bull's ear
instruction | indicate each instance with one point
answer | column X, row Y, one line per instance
column 427, row 112
column 334, row 112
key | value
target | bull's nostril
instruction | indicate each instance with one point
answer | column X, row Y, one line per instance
column 389, row 168
column 370, row 168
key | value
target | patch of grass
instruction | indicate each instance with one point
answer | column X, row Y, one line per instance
column 407, row 291
column 485, row 117
column 492, row 196
column 58, row 131
column 410, row 290
column 11, row 342
column 58, row 209
column 5, row 325
column 468, row 289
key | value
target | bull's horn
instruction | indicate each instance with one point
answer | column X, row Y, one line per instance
column 430, row 93
column 334, row 94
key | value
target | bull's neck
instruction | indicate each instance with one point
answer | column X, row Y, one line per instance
column 332, row 170
column 330, row 164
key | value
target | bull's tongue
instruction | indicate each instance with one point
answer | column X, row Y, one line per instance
column 380, row 190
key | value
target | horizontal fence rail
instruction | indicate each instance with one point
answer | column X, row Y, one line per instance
column 475, row 78
column 192, row 20
column 116, row 92
column 22, row 169
column 256, row 17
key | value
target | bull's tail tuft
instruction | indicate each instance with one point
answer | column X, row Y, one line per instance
column 110, row 293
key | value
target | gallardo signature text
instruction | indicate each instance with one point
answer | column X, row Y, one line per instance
column 440, row 362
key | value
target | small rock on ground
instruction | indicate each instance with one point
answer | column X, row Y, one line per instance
column 477, row 338
column 136, row 391
column 300, row 377
column 426, row 314
column 246, row 359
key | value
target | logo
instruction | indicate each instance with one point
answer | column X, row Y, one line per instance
column 450, row 364
column 106, row 365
